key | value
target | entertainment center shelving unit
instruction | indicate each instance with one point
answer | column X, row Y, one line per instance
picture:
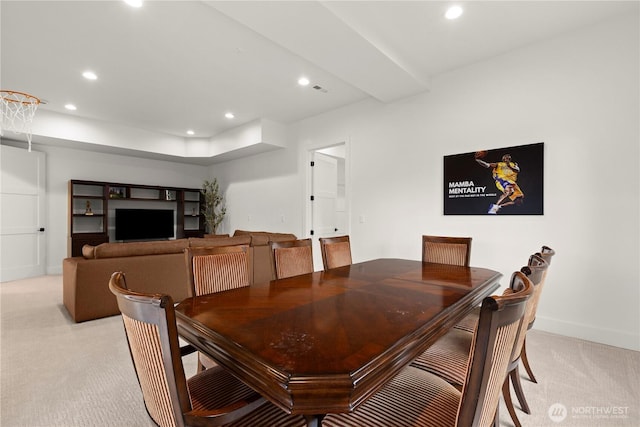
column 89, row 215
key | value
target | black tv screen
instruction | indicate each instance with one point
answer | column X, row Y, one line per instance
column 144, row 224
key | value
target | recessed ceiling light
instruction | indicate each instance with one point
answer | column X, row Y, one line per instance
column 71, row 107
column 229, row 115
column 190, row 132
column 303, row 81
column 134, row 3
column 454, row 12
column 89, row 75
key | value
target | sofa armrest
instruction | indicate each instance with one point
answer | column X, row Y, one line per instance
column 85, row 282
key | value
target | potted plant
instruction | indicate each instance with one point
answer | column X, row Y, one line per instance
column 213, row 208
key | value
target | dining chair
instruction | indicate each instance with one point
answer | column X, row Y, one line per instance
column 292, row 258
column 417, row 397
column 448, row 357
column 470, row 321
column 212, row 397
column 336, row 251
column 216, row 269
column 446, row 250
column 536, row 275
column 547, row 253
column 542, row 258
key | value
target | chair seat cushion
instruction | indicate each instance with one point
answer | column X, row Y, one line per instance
column 269, row 415
column 470, row 322
column 413, row 398
column 448, row 358
column 216, row 388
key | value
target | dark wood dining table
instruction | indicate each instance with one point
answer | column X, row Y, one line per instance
column 325, row 342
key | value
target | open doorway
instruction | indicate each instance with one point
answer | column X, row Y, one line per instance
column 328, row 201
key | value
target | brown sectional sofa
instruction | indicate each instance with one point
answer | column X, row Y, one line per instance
column 154, row 267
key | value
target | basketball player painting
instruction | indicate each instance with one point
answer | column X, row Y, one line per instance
column 505, row 174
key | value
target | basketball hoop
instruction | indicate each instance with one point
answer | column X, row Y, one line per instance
column 18, row 109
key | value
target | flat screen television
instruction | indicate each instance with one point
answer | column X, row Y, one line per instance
column 144, row 224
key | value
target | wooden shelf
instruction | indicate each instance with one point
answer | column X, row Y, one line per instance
column 97, row 196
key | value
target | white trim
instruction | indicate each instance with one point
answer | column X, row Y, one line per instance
column 588, row 332
column 306, row 158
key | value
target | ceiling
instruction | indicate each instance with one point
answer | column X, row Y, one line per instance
column 171, row 66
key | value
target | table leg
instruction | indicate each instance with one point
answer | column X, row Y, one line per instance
column 314, row 420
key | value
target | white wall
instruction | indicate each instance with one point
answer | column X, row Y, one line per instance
column 262, row 192
column 579, row 94
column 64, row 164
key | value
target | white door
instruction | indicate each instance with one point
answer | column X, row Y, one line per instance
column 324, row 217
column 22, row 204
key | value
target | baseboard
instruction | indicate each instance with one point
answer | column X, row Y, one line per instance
column 589, row 332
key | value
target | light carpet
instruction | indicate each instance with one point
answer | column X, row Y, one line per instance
column 54, row 372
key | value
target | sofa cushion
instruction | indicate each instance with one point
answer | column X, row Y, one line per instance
column 259, row 238
column 199, row 242
column 115, row 250
column 88, row 251
column 281, row 237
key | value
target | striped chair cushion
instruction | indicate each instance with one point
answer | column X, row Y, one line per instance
column 470, row 322
column 413, row 398
column 216, row 388
column 293, row 261
column 220, row 272
column 445, row 253
column 448, row 358
column 269, row 415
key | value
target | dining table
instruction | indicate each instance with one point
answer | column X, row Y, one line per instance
column 325, row 342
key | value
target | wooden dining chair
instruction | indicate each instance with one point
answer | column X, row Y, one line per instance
column 216, row 269
column 448, row 357
column 547, row 253
column 336, row 251
column 446, row 250
column 417, row 397
column 470, row 321
column 542, row 258
column 292, row 258
column 536, row 275
column 212, row 397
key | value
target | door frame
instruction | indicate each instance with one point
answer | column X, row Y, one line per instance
column 307, row 157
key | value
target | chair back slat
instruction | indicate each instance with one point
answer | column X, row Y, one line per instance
column 491, row 352
column 336, row 251
column 217, row 269
column 446, row 250
column 292, row 258
column 144, row 343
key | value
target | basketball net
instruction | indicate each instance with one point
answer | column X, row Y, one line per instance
column 18, row 109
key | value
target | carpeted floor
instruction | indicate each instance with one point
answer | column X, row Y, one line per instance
column 54, row 372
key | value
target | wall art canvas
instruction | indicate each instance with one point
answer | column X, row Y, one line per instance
column 498, row 181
